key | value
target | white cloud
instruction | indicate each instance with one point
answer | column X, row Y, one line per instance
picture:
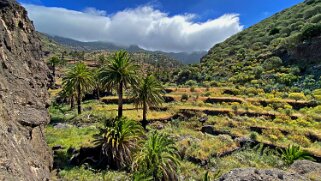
column 144, row 26
column 94, row 11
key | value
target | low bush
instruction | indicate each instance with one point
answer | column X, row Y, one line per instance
column 184, row 97
column 311, row 31
column 292, row 153
column 297, row 96
column 316, row 19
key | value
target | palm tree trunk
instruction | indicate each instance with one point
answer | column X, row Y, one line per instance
column 120, row 100
column 53, row 76
column 72, row 102
column 98, row 93
column 79, row 99
column 144, row 121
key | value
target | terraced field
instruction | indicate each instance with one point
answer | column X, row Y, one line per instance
column 212, row 129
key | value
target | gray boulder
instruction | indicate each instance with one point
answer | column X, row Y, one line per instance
column 252, row 174
column 300, row 170
column 307, row 168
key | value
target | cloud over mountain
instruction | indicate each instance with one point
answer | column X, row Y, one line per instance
column 144, row 26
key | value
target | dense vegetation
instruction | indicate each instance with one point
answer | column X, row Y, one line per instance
column 280, row 53
column 250, row 103
column 195, row 131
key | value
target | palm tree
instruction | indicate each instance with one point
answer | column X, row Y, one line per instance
column 97, row 84
column 119, row 138
column 54, row 62
column 68, row 93
column 148, row 94
column 80, row 79
column 120, row 73
column 158, row 157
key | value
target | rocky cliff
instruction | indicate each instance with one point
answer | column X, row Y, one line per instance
column 24, row 154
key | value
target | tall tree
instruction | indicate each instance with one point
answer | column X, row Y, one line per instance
column 54, row 62
column 80, row 79
column 148, row 94
column 98, row 86
column 158, row 158
column 119, row 138
column 101, row 60
column 120, row 72
column 69, row 94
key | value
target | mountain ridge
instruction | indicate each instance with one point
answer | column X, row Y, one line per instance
column 184, row 57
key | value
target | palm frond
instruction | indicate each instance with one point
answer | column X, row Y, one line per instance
column 119, row 138
column 159, row 156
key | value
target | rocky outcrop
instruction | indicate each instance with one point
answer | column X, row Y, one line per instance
column 252, row 174
column 24, row 154
column 299, row 171
column 308, row 169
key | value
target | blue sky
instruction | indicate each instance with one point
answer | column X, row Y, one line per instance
column 247, row 12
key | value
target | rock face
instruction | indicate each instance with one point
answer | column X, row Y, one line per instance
column 24, row 154
column 300, row 170
column 252, row 174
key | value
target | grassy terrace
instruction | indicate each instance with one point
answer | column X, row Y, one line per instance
column 275, row 123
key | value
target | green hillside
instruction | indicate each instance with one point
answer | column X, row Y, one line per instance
column 51, row 47
column 157, row 62
column 281, row 52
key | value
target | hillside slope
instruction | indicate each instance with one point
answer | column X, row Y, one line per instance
column 277, row 53
column 51, row 42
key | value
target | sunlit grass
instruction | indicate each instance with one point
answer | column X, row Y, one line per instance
column 82, row 174
column 70, row 137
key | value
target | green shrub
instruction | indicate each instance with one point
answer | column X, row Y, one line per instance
column 253, row 136
column 317, row 94
column 192, row 89
column 235, row 108
column 191, row 83
column 297, row 96
column 292, row 153
column 273, row 62
column 184, row 97
column 311, row 31
column 213, row 83
column 316, row 19
column 207, row 94
column 312, row 11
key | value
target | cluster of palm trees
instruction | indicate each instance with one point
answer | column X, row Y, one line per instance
column 119, row 73
column 125, row 146
column 124, row 143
